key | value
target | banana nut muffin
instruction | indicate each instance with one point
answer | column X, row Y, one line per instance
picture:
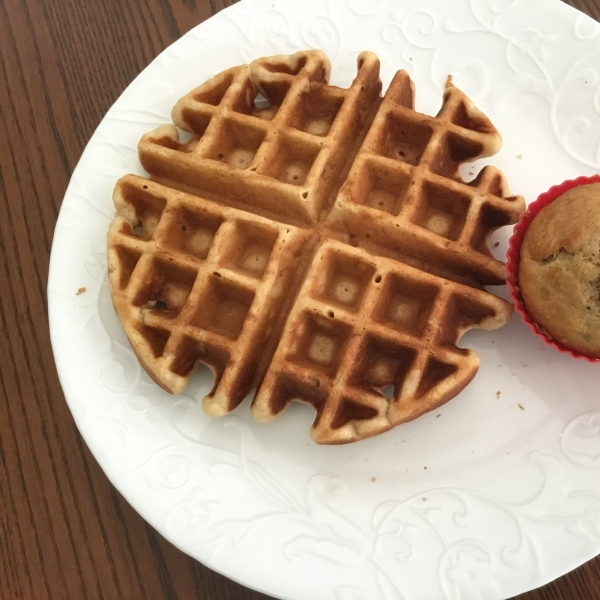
column 559, row 272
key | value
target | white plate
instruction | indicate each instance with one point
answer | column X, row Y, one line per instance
column 494, row 494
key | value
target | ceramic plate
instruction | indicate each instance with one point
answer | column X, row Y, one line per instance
column 493, row 494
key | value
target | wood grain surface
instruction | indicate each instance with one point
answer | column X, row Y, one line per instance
column 65, row 532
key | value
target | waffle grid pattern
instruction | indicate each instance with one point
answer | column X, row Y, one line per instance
column 288, row 157
column 408, row 168
column 369, row 338
column 188, row 275
column 328, row 228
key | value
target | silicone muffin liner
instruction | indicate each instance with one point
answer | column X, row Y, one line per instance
column 513, row 258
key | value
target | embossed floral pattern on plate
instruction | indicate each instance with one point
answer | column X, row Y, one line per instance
column 494, row 494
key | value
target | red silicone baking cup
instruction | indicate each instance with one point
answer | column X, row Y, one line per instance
column 514, row 252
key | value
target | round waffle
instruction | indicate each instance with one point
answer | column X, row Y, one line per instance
column 313, row 243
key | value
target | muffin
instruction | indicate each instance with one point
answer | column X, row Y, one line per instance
column 559, row 269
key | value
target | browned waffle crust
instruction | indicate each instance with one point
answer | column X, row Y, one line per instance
column 312, row 242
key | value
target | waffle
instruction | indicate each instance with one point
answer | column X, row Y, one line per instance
column 283, row 161
column 313, row 243
column 194, row 281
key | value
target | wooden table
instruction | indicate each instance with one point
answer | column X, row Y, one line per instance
column 65, row 532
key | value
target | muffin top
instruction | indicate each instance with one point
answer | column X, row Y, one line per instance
column 559, row 271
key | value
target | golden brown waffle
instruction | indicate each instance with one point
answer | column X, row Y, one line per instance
column 194, row 281
column 312, row 242
column 284, row 161
column 405, row 195
column 371, row 343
